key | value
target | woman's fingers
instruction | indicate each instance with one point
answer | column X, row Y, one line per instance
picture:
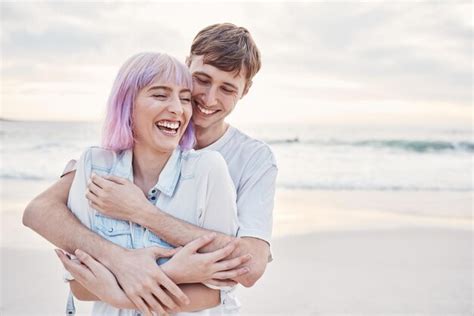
column 200, row 242
column 93, row 188
column 221, row 283
column 231, row 274
column 225, row 265
column 222, row 253
column 89, row 261
column 80, row 272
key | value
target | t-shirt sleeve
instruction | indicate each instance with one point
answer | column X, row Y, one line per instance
column 256, row 196
column 70, row 167
column 77, row 202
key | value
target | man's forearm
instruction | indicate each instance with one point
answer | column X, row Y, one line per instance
column 49, row 216
column 175, row 231
column 178, row 233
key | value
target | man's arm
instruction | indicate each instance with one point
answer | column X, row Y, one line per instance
column 138, row 273
column 48, row 215
column 178, row 232
column 122, row 199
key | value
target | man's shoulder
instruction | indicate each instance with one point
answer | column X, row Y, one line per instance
column 252, row 147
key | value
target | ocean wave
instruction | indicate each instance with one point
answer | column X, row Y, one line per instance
column 24, row 176
column 369, row 187
column 420, row 146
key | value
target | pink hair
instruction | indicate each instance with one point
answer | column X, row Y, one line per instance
column 136, row 73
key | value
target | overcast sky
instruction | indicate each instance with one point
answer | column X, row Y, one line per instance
column 380, row 62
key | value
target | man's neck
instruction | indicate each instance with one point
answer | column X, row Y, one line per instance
column 208, row 136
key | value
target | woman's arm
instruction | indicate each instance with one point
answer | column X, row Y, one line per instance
column 94, row 282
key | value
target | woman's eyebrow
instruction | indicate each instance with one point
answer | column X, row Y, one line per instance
column 159, row 87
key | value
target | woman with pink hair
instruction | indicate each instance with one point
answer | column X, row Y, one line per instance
column 148, row 140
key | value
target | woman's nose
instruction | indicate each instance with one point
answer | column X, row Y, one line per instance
column 175, row 106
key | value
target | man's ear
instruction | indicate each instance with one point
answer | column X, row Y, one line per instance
column 188, row 61
column 247, row 88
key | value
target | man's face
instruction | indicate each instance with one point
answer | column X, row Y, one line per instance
column 215, row 93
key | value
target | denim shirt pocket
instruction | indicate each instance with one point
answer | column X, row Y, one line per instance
column 155, row 241
column 114, row 230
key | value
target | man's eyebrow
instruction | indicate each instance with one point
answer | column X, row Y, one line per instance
column 198, row 73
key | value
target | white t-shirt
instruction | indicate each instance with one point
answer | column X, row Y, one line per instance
column 253, row 169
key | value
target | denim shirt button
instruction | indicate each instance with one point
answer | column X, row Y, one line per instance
column 111, row 229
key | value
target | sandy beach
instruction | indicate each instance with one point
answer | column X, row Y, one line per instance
column 335, row 253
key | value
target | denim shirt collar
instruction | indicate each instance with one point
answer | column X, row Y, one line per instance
column 169, row 176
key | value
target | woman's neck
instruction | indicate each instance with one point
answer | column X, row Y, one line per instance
column 147, row 166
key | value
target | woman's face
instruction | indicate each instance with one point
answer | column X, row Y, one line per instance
column 161, row 114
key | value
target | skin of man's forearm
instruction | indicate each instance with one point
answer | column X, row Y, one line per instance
column 179, row 233
column 49, row 216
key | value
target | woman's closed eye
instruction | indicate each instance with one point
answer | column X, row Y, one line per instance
column 160, row 96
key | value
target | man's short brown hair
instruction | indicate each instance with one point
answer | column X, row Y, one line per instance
column 229, row 48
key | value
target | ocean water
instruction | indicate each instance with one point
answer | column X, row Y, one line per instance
column 309, row 156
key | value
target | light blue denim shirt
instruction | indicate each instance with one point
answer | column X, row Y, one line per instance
column 194, row 186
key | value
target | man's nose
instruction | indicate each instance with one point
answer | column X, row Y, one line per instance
column 211, row 96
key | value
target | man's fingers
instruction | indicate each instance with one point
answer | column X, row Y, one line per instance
column 225, row 265
column 164, row 298
column 200, row 242
column 231, row 274
column 221, row 283
column 140, row 304
column 175, row 290
column 154, row 304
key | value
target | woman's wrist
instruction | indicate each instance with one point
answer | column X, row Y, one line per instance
column 173, row 274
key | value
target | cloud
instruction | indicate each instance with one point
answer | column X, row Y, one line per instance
column 341, row 51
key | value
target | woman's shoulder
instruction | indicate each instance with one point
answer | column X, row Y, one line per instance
column 100, row 157
column 203, row 162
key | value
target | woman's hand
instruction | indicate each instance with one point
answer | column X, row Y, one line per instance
column 189, row 266
column 115, row 197
column 96, row 278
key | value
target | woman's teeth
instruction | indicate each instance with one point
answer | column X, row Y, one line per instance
column 168, row 124
column 204, row 111
column 168, row 127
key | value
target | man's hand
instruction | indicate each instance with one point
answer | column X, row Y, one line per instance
column 189, row 266
column 115, row 197
column 142, row 279
column 96, row 278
